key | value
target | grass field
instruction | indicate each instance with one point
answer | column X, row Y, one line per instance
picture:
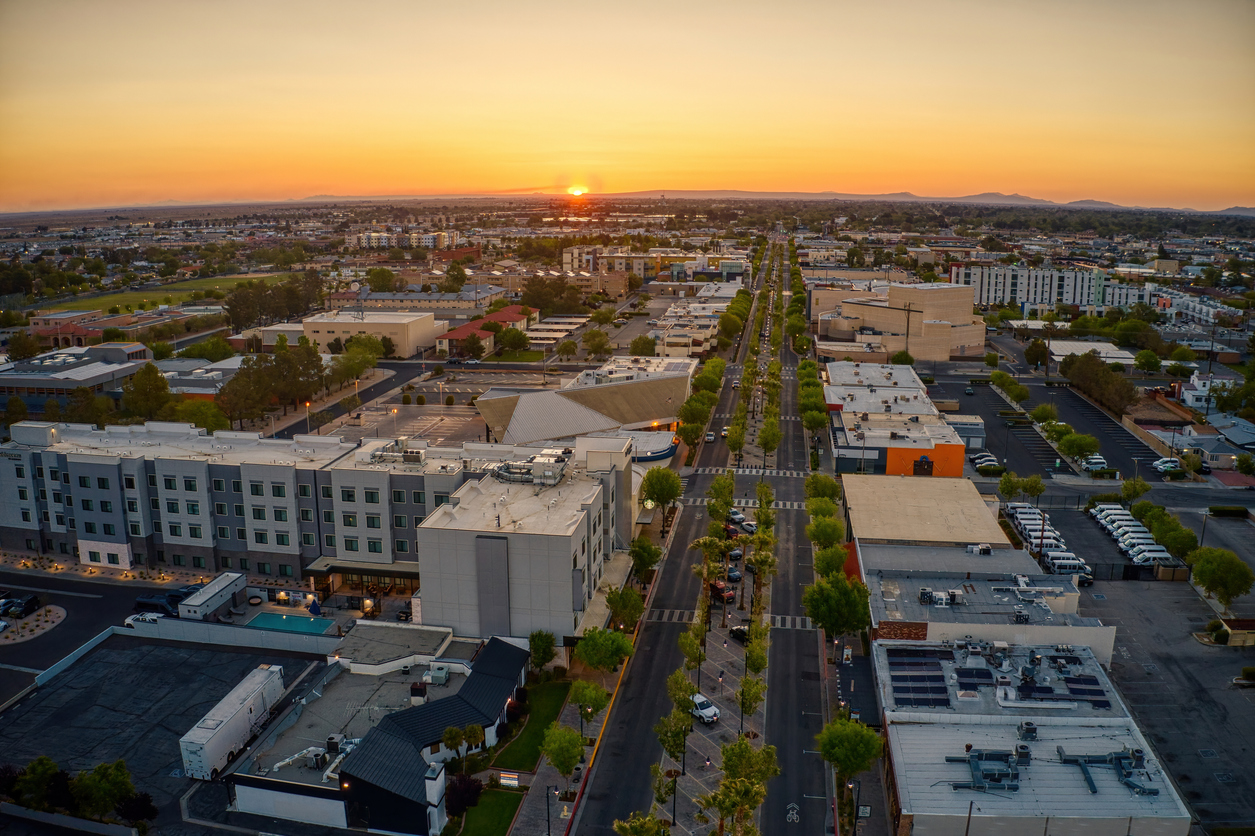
column 546, row 702
column 177, row 292
column 520, row 357
column 493, row 814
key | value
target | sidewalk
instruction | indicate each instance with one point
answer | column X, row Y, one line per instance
column 871, row 783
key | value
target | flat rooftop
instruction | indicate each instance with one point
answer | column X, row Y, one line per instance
column 377, row 644
column 862, row 400
column 968, row 599
column 919, row 511
column 160, row 439
column 378, row 317
column 489, row 504
column 924, row 434
column 1002, row 560
column 1049, row 790
column 349, row 704
column 938, row 681
column 873, row 376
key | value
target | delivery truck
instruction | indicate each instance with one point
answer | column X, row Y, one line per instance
column 228, row 727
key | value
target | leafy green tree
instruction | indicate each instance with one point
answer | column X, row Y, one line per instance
column 820, row 484
column 512, row 339
column 453, row 738
column 644, row 824
column 902, row 358
column 661, row 486
column 215, row 349
column 821, row 506
column 645, row 556
column 1147, row 361
column 14, row 410
column 1223, row 574
column 603, row 650
column 381, row 280
column 642, row 346
column 474, row 736
column 33, row 785
column 567, row 349
column 829, row 560
column 22, row 346
column 541, row 643
column 1078, row 445
column 825, row 532
column 741, row 760
column 473, row 346
column 1182, row 354
column 1037, row 353
column 850, row 747
column 596, row 343
column 563, row 747
column 591, row 698
column 991, row 359
column 454, row 279
column 680, row 689
column 673, row 731
column 1245, row 462
column 52, row 410
column 1032, row 486
column 603, row 316
column 161, row 350
column 146, row 393
column 814, row 421
column 1133, row 489
column 750, row 696
column 1044, row 413
column 837, row 605
column 99, row 790
column 770, row 436
column 626, row 607
column 203, row 414
column 136, row 808
column 83, row 407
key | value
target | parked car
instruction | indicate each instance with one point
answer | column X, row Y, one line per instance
column 470, row 362
column 4, row 625
column 735, row 554
column 159, row 602
column 734, row 575
column 720, row 591
column 1094, row 463
column 735, row 516
column 710, row 436
column 1165, row 464
column 1099, row 510
column 703, row 709
column 750, row 527
column 732, row 531
column 620, row 322
column 969, row 391
column 740, row 633
column 21, row 606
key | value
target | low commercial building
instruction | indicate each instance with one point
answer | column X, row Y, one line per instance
column 929, row 321
column 412, row 334
column 929, row 512
column 882, row 421
column 471, row 297
column 988, row 738
column 52, row 376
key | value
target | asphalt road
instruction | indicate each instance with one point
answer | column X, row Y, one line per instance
column 89, row 608
column 619, row 784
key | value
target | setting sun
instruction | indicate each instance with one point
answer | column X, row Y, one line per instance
column 577, row 190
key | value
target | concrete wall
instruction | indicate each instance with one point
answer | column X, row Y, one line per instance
column 67, row 822
column 323, row 811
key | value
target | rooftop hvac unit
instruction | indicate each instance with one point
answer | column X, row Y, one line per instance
column 1028, row 730
column 1023, row 755
column 956, row 597
column 1021, row 618
column 334, row 743
column 925, row 595
column 941, row 599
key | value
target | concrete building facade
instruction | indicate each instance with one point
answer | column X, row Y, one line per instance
column 412, row 334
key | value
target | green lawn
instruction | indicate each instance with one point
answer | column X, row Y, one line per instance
column 546, row 702
column 178, row 292
column 493, row 814
column 520, row 357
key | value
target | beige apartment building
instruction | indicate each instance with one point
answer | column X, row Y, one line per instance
column 930, row 321
column 411, row 333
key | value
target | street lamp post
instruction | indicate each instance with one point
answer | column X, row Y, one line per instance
column 857, row 786
column 308, row 426
column 548, row 818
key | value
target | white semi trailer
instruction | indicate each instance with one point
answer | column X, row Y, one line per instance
column 224, row 732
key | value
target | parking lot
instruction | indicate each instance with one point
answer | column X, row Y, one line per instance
column 1012, row 445
column 1180, row 693
column 1087, row 540
column 131, row 699
column 1122, row 450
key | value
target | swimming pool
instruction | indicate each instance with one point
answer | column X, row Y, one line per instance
column 291, row 623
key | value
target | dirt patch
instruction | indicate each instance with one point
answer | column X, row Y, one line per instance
column 1147, row 411
column 34, row 625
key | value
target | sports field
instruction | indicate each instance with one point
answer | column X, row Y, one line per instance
column 166, row 294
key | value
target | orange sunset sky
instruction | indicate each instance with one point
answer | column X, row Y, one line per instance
column 1139, row 102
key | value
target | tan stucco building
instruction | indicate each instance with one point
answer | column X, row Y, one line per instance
column 931, row 321
column 411, row 333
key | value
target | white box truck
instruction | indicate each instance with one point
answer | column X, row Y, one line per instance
column 224, row 732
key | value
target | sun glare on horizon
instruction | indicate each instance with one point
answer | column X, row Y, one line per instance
column 576, row 191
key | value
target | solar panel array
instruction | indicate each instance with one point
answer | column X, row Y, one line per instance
column 917, row 678
column 1087, row 688
column 970, row 679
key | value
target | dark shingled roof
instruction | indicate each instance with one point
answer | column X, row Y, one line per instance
column 390, row 756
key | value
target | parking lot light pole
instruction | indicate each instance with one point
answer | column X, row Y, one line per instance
column 548, row 818
column 857, row 786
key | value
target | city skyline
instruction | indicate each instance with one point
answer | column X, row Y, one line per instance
column 140, row 103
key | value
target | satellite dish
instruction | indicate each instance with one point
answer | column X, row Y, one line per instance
column 355, row 286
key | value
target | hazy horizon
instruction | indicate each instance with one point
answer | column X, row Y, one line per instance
column 138, row 103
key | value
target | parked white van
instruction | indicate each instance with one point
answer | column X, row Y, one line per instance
column 1069, row 566
column 1102, row 509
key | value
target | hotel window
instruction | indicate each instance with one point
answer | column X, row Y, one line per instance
column 278, row 490
column 244, row 564
column 329, row 540
column 21, row 494
column 257, row 489
column 241, row 534
column 89, row 528
column 152, row 480
column 304, row 491
column 441, row 499
column 224, row 532
column 20, row 471
column 285, row 570
column 307, row 538
column 259, row 513
column 189, row 484
column 193, row 531
column 372, row 521
column 135, row 530
column 326, row 491
column 420, row 497
column 110, row 529
column 26, row 515
column 280, row 514
column 350, row 544
column 176, row 530
column 171, row 483
column 112, row 558
column 225, row 561
column 106, row 507
column 398, row 496
column 263, row 568
column 307, row 515
column 94, row 557
column 237, row 486
column 398, row 521
column 282, row 539
column 350, row 520
column 102, row 483
column 372, row 497
column 198, row 561
column 154, row 503
column 87, row 504
column 239, row 510
column 220, row 508
column 348, row 495
column 401, row 545
column 374, row 546
column 261, row 537
column 193, row 509
column 329, row 517
column 219, row 485
column 172, row 507
column 84, row 482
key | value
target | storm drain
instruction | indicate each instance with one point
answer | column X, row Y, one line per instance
column 1225, row 778
column 1207, row 753
column 1098, row 596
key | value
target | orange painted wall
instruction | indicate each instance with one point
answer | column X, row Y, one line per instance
column 947, row 460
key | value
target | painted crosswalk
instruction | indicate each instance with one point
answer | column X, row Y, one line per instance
column 746, row 503
column 674, row 616
column 791, row 622
column 753, row 471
